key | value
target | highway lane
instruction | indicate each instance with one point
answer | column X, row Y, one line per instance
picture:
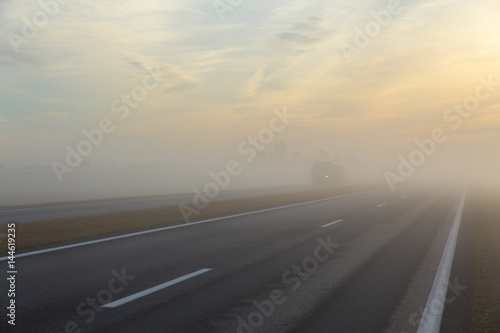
column 360, row 263
column 60, row 211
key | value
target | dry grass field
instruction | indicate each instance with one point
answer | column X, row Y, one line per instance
column 485, row 213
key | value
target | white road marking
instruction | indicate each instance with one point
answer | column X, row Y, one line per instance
column 155, row 289
column 382, row 205
column 405, row 196
column 433, row 313
column 20, row 255
column 332, row 223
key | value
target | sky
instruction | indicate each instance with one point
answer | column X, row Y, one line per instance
column 225, row 68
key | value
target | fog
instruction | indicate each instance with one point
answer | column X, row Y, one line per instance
column 37, row 184
column 156, row 100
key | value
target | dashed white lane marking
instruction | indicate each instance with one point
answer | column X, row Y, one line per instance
column 382, row 205
column 331, row 223
column 155, row 289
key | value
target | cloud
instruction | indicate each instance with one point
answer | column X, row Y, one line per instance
column 290, row 9
column 3, row 120
column 175, row 78
column 48, row 117
column 294, row 37
column 301, row 36
column 11, row 87
column 255, row 82
column 267, row 53
column 138, row 62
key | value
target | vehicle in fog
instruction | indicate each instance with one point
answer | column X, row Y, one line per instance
column 327, row 173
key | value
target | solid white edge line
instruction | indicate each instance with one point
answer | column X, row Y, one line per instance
column 433, row 312
column 146, row 292
column 331, row 223
column 178, row 226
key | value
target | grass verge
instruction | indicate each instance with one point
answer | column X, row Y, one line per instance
column 486, row 217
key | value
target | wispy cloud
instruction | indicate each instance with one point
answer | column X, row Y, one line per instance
column 11, row 87
column 301, row 36
column 49, row 117
column 255, row 82
column 267, row 53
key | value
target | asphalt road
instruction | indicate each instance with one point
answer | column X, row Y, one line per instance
column 359, row 263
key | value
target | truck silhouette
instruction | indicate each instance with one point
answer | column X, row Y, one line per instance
column 326, row 173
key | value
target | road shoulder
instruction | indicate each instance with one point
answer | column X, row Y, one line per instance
column 485, row 214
